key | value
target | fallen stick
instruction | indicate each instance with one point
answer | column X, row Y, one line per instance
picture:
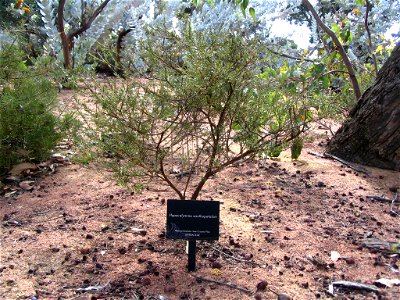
column 354, row 167
column 327, row 155
column 232, row 286
column 393, row 203
column 381, row 199
column 93, row 288
column 233, row 257
column 353, row 285
column 381, row 246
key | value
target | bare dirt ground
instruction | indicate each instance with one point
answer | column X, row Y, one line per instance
column 75, row 235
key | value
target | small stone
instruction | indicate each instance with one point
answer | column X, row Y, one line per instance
column 394, row 189
column 141, row 260
column 304, row 285
column 146, row 281
column 283, row 297
column 85, row 251
column 257, row 297
column 89, row 236
column 262, row 286
column 350, row 260
column 122, row 250
column 216, row 265
column 169, row 289
column 27, row 185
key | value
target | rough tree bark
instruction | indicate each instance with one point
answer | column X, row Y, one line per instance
column 372, row 134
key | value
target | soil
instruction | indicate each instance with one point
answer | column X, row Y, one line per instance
column 75, row 234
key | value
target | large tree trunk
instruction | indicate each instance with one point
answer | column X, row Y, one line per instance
column 372, row 135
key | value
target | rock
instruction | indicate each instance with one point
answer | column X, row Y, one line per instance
column 22, row 168
column 394, row 189
column 304, row 285
column 89, row 236
column 350, row 260
column 283, row 297
column 320, row 184
column 26, row 185
column 58, row 158
column 146, row 281
column 122, row 250
column 262, row 286
column 216, row 265
column 139, row 231
column 257, row 297
column 169, row 289
column 85, row 251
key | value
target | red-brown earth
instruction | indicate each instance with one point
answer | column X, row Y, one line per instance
column 75, row 234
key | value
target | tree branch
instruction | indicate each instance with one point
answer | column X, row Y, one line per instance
column 86, row 24
column 290, row 56
column 371, row 47
column 342, row 52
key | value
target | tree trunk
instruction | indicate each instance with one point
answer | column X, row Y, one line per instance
column 64, row 39
column 372, row 135
column 67, row 40
column 121, row 35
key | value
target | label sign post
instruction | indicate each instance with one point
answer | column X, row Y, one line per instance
column 192, row 220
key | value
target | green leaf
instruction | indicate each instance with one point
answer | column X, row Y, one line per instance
column 245, row 3
column 252, row 13
column 195, row 2
column 243, row 9
column 336, row 28
column 297, row 146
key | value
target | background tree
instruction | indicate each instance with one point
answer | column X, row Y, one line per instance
column 67, row 39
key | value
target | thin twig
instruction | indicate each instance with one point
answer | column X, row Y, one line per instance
column 356, row 285
column 358, row 169
column 383, row 199
column 233, row 257
column 233, row 286
column 391, row 206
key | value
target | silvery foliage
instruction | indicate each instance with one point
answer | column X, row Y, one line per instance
column 383, row 14
column 5, row 38
column 72, row 13
column 221, row 15
column 52, row 45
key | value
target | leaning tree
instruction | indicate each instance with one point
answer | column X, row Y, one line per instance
column 372, row 134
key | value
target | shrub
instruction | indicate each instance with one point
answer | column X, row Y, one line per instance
column 28, row 128
column 200, row 105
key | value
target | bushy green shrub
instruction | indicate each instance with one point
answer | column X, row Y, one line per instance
column 28, row 127
column 200, row 105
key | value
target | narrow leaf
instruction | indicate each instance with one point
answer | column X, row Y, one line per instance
column 252, row 13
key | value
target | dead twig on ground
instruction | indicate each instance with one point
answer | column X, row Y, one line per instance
column 93, row 288
column 352, row 166
column 383, row 199
column 352, row 285
column 393, row 203
column 381, row 246
column 230, row 285
column 233, row 257
column 349, row 164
